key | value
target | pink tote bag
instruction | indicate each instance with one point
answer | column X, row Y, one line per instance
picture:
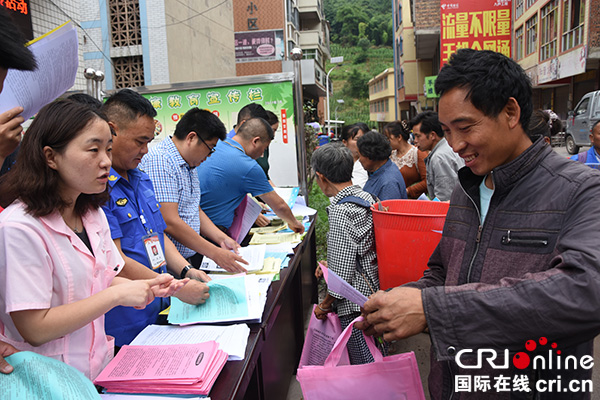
column 321, row 335
column 393, row 377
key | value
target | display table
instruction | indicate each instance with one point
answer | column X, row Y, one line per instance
column 274, row 346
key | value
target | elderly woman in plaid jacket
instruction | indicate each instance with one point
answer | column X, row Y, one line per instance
column 350, row 240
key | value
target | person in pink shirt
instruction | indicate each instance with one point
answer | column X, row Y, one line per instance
column 57, row 259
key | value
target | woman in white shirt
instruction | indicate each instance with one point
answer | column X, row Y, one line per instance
column 349, row 135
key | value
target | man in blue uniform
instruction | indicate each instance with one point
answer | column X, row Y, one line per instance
column 135, row 220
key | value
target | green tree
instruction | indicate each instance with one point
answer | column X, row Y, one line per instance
column 364, row 44
column 346, row 22
column 362, row 29
column 357, row 84
column 384, row 38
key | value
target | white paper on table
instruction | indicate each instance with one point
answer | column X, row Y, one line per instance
column 288, row 195
column 286, row 247
column 341, row 287
column 57, row 61
column 301, row 209
column 232, row 339
column 255, row 255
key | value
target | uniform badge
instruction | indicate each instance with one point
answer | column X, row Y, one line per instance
column 121, row 202
column 112, row 178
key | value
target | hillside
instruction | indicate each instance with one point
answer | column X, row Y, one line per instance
column 361, row 32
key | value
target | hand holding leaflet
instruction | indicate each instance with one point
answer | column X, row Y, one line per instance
column 39, row 377
column 343, row 288
column 56, row 54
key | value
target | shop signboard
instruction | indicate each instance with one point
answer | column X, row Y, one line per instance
column 225, row 102
column 475, row 24
column 566, row 65
column 259, row 46
column 429, row 87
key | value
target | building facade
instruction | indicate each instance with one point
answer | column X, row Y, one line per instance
column 267, row 30
column 416, row 53
column 382, row 99
column 153, row 42
column 557, row 42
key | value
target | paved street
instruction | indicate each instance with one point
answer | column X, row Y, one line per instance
column 562, row 150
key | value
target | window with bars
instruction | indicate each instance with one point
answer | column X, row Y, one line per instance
column 129, row 71
column 531, row 35
column 549, row 30
column 518, row 8
column 573, row 23
column 125, row 22
column 519, row 43
column 530, row 3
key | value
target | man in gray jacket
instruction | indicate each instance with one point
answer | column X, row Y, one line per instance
column 513, row 289
column 442, row 163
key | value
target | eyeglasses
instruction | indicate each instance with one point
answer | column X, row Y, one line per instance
column 210, row 149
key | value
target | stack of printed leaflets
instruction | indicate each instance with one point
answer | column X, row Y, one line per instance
column 173, row 369
column 238, row 298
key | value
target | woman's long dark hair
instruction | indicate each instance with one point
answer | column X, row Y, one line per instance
column 398, row 129
column 31, row 179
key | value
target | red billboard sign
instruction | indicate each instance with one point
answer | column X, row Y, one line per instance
column 19, row 12
column 475, row 24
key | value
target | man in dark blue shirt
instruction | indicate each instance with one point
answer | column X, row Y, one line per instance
column 385, row 179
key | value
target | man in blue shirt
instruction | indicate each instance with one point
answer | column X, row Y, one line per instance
column 135, row 220
column 385, row 179
column 592, row 156
column 171, row 166
column 232, row 172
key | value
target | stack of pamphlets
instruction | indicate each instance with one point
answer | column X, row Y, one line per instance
column 173, row 369
column 239, row 298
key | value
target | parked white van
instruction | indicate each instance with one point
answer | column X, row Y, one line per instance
column 580, row 122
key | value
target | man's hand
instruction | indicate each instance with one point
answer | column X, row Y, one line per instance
column 229, row 244
column 262, row 221
column 396, row 314
column 10, row 131
column 229, row 261
column 5, row 351
column 296, row 226
column 198, row 275
column 194, row 292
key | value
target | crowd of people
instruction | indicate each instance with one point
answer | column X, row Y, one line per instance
column 507, row 270
column 98, row 231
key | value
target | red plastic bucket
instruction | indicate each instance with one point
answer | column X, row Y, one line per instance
column 406, row 235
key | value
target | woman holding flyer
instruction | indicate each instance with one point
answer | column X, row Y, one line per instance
column 57, row 260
